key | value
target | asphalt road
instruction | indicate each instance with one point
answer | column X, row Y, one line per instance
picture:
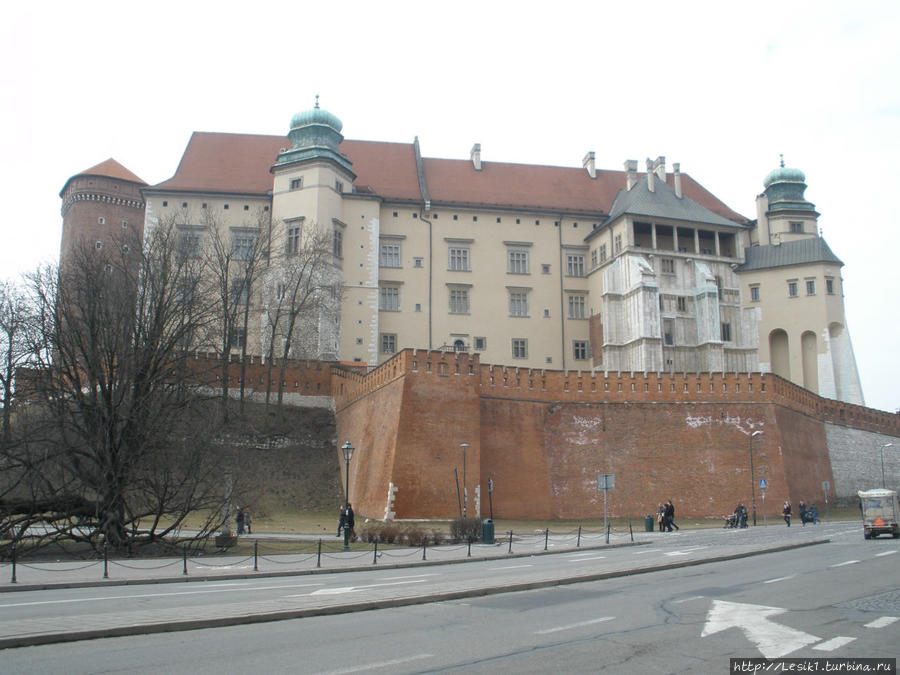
column 838, row 599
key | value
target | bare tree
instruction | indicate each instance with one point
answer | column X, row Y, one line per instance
column 14, row 346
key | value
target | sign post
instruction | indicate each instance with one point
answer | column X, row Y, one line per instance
column 826, row 486
column 605, row 483
column 762, row 489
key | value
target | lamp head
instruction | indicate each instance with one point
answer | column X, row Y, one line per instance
column 347, row 451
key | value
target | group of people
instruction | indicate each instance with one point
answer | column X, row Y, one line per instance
column 242, row 517
column 665, row 517
column 346, row 520
column 738, row 518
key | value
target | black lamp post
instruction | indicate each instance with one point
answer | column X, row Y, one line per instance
column 753, row 476
column 465, row 488
column 347, row 451
column 886, row 445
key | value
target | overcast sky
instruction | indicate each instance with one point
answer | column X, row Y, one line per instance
column 723, row 88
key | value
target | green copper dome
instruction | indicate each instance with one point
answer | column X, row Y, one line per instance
column 314, row 134
column 784, row 174
column 316, row 116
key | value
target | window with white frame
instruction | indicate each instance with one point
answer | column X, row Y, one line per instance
column 618, row 243
column 390, row 254
column 594, row 258
column 810, row 286
column 388, row 343
column 517, row 261
column 338, row 243
column 240, row 292
column 243, row 246
column 189, row 244
column 754, row 294
column 681, row 303
column 792, row 289
column 603, row 253
column 480, row 344
column 668, row 266
column 296, row 183
column 237, row 338
column 389, row 299
column 796, row 227
column 292, row 241
column 726, row 332
column 459, row 300
column 519, row 348
column 575, row 264
column 459, row 259
column 668, row 332
column 518, row 303
column 581, row 350
column 829, row 285
column 577, row 307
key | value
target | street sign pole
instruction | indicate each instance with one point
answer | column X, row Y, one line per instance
column 762, row 489
column 605, row 482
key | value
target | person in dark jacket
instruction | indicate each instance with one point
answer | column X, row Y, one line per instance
column 786, row 512
column 342, row 520
column 349, row 520
column 670, row 517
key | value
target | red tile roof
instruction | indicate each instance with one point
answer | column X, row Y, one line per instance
column 240, row 163
column 108, row 169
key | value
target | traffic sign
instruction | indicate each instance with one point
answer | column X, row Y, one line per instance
column 762, row 484
column 606, row 481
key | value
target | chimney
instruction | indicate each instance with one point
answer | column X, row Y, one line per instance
column 475, row 156
column 659, row 166
column 651, row 185
column 588, row 164
column 630, row 173
column 676, row 172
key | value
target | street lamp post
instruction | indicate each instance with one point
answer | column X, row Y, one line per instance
column 886, row 445
column 464, row 446
column 753, row 476
column 347, row 451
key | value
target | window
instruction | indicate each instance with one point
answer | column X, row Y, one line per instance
column 417, row 262
column 338, row 243
column 796, row 228
column 101, row 220
column 459, row 259
column 418, row 306
column 459, row 300
column 339, row 186
column 581, row 350
column 810, row 286
column 98, row 245
column 389, row 300
column 240, row 292
column 292, row 245
column 726, row 332
column 594, row 258
column 829, row 286
column 517, row 261
column 390, row 255
column 603, row 254
column 754, row 294
column 480, row 344
column 719, row 288
column 577, row 307
column 124, row 224
column 189, row 244
column 618, row 243
column 519, row 348
column 792, row 289
column 296, row 183
column 518, row 303
column 280, row 290
column 545, row 269
column 388, row 343
column 668, row 266
column 575, row 264
column 681, row 303
column 238, row 338
column 668, row 332
column 243, row 246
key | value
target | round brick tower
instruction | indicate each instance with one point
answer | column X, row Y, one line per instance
column 100, row 207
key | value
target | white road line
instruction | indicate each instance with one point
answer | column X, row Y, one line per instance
column 878, row 555
column 693, row 597
column 349, row 589
column 382, row 664
column 833, row 643
column 648, row 550
column 686, row 551
column 596, row 557
column 882, row 622
column 846, row 562
column 152, row 595
column 772, row 581
column 410, row 576
column 508, row 567
column 574, row 625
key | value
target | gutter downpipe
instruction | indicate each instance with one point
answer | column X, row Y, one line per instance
column 562, row 299
column 426, row 199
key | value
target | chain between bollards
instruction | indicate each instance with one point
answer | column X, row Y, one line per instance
column 578, row 544
column 256, row 555
column 14, row 562
column 319, row 554
column 105, row 560
column 184, row 559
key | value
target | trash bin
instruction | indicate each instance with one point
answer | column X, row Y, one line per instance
column 487, row 531
column 648, row 523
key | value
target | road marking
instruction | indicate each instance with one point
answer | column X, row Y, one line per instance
column 101, row 598
column 685, row 551
column 350, row 589
column 596, row 557
column 411, row 576
column 382, row 664
column 846, row 562
column 882, row 622
column 574, row 625
column 694, row 597
column 772, row 639
column 833, row 643
column 772, row 581
column 508, row 567
column 878, row 555
column 648, row 550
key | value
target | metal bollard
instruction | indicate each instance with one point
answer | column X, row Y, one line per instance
column 14, row 562
column 256, row 555
column 631, row 532
column 184, row 559
column 375, row 554
column 469, row 550
column 105, row 560
column 319, row 554
column 546, row 537
column 578, row 543
column 510, row 542
column 424, row 546
column 607, row 533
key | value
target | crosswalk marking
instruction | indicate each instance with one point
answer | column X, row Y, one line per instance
column 882, row 622
column 833, row 643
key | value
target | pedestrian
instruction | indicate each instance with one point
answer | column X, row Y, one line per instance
column 342, row 520
column 240, row 521
column 670, row 516
column 247, row 520
column 786, row 512
column 661, row 516
column 349, row 520
column 801, row 508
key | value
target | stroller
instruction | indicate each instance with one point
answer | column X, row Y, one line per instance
column 811, row 515
column 731, row 520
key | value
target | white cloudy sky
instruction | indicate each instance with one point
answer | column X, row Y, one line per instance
column 720, row 87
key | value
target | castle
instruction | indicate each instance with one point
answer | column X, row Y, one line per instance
column 646, row 329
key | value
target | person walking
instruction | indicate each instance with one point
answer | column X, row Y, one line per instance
column 801, row 508
column 240, row 521
column 349, row 520
column 786, row 512
column 247, row 520
column 342, row 520
column 661, row 517
column 670, row 516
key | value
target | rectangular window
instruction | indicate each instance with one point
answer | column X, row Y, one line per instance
column 754, row 294
column 577, row 307
column 575, row 264
column 243, row 246
column 338, row 244
column 240, row 292
column 545, row 269
column 189, row 245
column 339, row 186
column 796, row 228
column 668, row 332
column 389, row 300
column 581, row 350
column 480, row 344
column 390, row 255
column 517, row 261
column 388, row 343
column 792, row 289
column 603, row 254
column 292, row 244
column 459, row 300
column 810, row 286
column 296, row 183
column 681, row 303
column 417, row 262
column 668, row 266
column 237, row 338
column 518, row 303
column 726, row 332
column 594, row 258
column 618, row 243
column 519, row 348
column 459, row 259
column 829, row 286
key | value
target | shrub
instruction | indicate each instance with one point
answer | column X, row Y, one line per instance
column 465, row 529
